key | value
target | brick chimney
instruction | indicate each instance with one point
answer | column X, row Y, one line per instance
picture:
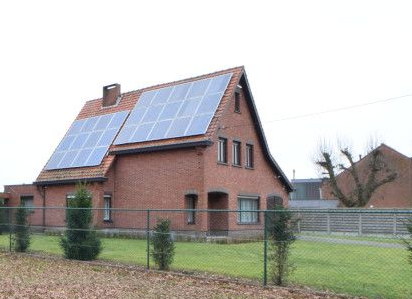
column 110, row 94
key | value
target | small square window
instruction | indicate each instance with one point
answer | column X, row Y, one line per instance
column 27, row 202
column 222, row 150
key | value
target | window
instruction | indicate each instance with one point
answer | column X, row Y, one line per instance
column 222, row 150
column 249, row 155
column 247, row 204
column 27, row 202
column 237, row 102
column 107, row 216
column 68, row 198
column 236, row 153
column 191, row 205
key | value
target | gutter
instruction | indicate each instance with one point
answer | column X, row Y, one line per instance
column 69, row 181
column 161, row 147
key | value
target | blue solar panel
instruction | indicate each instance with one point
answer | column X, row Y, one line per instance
column 175, row 111
column 87, row 141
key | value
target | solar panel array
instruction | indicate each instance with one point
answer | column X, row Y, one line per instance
column 87, row 141
column 176, row 111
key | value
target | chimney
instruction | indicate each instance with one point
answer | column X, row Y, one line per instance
column 294, row 174
column 111, row 94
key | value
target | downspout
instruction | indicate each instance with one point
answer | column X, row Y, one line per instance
column 42, row 191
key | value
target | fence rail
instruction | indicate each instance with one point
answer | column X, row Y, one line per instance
column 334, row 248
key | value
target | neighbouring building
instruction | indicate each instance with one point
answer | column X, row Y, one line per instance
column 307, row 193
column 195, row 143
column 396, row 194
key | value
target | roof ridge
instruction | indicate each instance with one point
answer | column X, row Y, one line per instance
column 189, row 79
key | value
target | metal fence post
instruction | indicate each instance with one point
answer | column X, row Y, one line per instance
column 328, row 222
column 10, row 228
column 360, row 223
column 148, row 239
column 395, row 220
column 265, row 249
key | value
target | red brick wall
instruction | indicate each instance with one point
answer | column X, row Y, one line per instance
column 160, row 180
column 397, row 194
column 260, row 180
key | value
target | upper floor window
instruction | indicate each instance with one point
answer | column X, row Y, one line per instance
column 222, row 150
column 27, row 202
column 237, row 102
column 236, row 153
column 107, row 216
column 249, row 156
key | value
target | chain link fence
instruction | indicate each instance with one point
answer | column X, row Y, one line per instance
column 355, row 252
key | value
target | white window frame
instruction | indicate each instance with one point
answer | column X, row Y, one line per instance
column 249, row 156
column 222, row 150
column 247, row 204
column 107, row 201
column 237, row 153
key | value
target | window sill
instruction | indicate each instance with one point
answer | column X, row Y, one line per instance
column 248, row 223
column 238, row 112
column 236, row 165
column 222, row 163
column 107, row 221
column 251, row 168
column 191, row 223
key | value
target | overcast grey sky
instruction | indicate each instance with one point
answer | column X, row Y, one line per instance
column 300, row 56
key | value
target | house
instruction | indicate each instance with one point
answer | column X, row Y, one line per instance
column 307, row 193
column 396, row 194
column 196, row 143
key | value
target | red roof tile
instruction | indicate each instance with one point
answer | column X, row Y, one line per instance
column 127, row 102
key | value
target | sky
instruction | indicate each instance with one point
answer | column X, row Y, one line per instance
column 301, row 57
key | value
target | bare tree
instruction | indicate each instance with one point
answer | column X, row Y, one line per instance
column 366, row 181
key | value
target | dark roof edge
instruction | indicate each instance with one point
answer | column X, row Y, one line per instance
column 69, row 181
column 261, row 134
column 161, row 147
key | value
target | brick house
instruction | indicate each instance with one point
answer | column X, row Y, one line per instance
column 397, row 194
column 228, row 166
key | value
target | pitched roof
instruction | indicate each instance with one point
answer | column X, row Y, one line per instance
column 127, row 102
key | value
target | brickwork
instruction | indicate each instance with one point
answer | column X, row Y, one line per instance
column 162, row 179
column 397, row 194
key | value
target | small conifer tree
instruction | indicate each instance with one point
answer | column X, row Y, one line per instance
column 280, row 228
column 3, row 217
column 80, row 241
column 21, row 230
column 163, row 245
column 409, row 242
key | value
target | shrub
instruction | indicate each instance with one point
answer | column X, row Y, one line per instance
column 163, row 245
column 409, row 243
column 280, row 232
column 80, row 241
column 21, row 230
column 4, row 219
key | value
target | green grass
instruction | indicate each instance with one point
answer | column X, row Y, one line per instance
column 342, row 268
column 393, row 240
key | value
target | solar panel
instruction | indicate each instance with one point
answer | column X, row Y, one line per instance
column 175, row 111
column 87, row 141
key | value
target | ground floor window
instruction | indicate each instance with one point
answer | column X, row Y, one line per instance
column 191, row 205
column 107, row 207
column 27, row 202
column 248, row 204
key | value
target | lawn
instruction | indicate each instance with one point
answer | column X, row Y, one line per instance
column 343, row 268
